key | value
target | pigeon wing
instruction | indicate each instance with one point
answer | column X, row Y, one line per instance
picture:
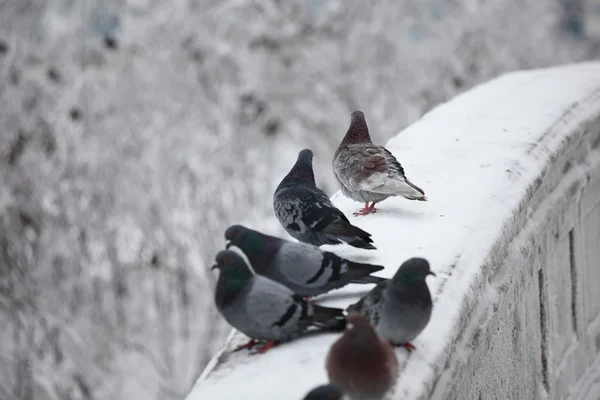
column 361, row 166
column 370, row 304
column 272, row 305
column 306, row 266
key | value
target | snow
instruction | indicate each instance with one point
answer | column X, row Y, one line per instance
column 476, row 157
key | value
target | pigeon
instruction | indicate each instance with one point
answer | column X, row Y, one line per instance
column 399, row 308
column 308, row 215
column 368, row 172
column 304, row 268
column 363, row 365
column 324, row 392
column 264, row 309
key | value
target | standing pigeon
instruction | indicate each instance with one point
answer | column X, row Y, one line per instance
column 368, row 172
column 399, row 308
column 324, row 392
column 364, row 366
column 264, row 309
column 304, row 268
column 308, row 215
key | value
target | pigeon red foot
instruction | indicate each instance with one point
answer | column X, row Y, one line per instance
column 251, row 343
column 267, row 346
column 367, row 210
column 407, row 346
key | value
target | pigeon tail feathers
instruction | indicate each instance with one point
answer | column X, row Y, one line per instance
column 329, row 318
column 369, row 279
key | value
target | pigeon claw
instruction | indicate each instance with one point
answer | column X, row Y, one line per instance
column 251, row 343
column 367, row 210
column 406, row 345
column 267, row 346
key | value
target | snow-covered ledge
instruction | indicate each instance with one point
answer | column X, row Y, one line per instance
column 512, row 229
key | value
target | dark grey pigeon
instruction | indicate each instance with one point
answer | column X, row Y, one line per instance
column 308, row 215
column 264, row 309
column 363, row 365
column 368, row 172
column 399, row 308
column 304, row 268
column 324, row 392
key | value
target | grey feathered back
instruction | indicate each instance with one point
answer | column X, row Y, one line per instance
column 304, row 268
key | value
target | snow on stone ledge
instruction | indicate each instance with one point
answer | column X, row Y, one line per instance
column 477, row 158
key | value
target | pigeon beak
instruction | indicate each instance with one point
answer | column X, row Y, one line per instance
column 431, row 273
column 214, row 267
column 228, row 244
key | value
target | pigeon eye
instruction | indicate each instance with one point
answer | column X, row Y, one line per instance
column 225, row 258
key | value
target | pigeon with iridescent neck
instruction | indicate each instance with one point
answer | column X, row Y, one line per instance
column 399, row 308
column 265, row 310
column 308, row 215
column 368, row 172
column 304, row 268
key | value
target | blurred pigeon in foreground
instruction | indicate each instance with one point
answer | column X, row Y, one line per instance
column 308, row 215
column 368, row 172
column 360, row 363
column 264, row 309
column 399, row 308
column 304, row 268
column 324, row 392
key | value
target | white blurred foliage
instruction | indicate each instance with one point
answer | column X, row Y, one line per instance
column 132, row 132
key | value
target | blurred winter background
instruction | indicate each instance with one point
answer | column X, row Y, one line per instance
column 132, row 132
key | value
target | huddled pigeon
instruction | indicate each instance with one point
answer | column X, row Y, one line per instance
column 308, row 215
column 368, row 172
column 399, row 308
column 263, row 309
column 304, row 268
column 324, row 392
column 363, row 365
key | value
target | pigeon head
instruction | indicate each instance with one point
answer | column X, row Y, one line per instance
column 413, row 270
column 324, row 392
column 302, row 170
column 358, row 131
column 233, row 277
column 247, row 240
column 231, row 264
column 235, row 234
column 359, row 330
